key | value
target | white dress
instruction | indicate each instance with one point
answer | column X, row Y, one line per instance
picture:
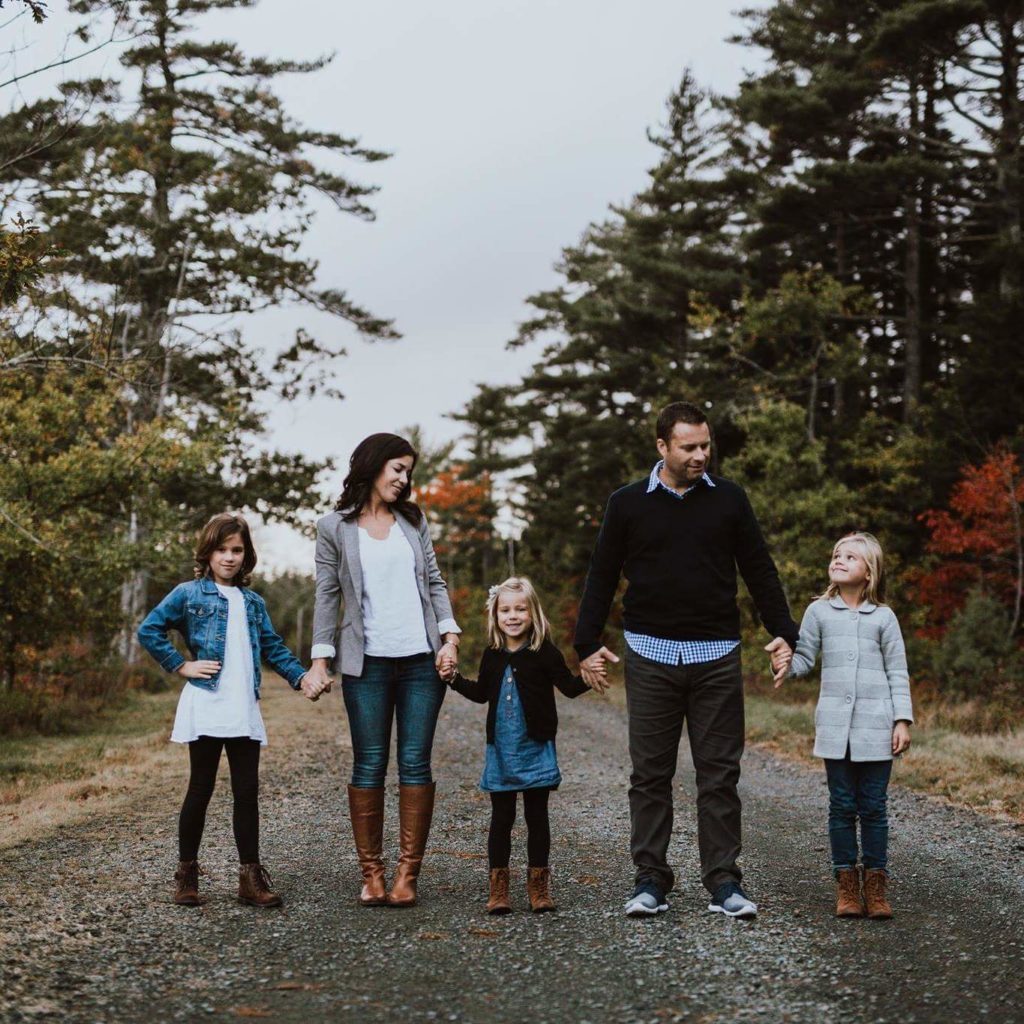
column 232, row 709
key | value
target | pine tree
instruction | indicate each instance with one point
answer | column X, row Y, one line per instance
column 179, row 201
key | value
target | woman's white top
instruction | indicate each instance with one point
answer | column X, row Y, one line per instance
column 232, row 709
column 393, row 625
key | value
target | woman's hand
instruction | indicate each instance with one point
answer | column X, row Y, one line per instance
column 449, row 654
column 447, row 669
column 900, row 738
column 317, row 680
column 199, row 669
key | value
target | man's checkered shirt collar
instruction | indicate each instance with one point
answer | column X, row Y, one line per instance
column 654, row 481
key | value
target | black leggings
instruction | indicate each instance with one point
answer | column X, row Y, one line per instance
column 244, row 762
column 538, row 835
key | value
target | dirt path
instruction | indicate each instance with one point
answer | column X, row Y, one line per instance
column 87, row 933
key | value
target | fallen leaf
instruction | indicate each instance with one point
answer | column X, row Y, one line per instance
column 432, row 935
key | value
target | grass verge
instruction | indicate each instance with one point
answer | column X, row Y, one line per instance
column 984, row 772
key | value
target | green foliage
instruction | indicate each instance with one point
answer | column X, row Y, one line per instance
column 802, row 508
column 975, row 657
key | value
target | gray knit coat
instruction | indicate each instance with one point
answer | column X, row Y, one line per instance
column 865, row 688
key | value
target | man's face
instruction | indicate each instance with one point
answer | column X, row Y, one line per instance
column 687, row 452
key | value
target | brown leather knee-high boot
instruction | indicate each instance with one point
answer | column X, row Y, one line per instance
column 366, row 809
column 415, row 811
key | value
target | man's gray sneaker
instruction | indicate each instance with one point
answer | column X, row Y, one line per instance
column 731, row 900
column 646, row 902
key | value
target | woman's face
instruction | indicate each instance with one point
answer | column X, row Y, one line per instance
column 393, row 478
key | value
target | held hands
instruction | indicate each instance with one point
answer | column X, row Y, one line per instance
column 595, row 671
column 447, row 661
column 900, row 738
column 316, row 682
column 782, row 655
column 199, row 669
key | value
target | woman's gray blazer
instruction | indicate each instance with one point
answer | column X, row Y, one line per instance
column 339, row 576
column 865, row 688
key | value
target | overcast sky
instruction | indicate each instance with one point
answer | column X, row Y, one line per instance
column 513, row 124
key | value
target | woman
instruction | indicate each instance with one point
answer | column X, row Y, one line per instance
column 374, row 551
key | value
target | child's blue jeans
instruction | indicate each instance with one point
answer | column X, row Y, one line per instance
column 857, row 789
column 407, row 691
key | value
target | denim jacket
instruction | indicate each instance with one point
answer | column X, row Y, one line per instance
column 199, row 612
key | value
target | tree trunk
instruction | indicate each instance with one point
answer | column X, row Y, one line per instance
column 1008, row 161
column 912, row 276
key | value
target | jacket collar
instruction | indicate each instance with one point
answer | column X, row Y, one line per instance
column 207, row 586
column 864, row 608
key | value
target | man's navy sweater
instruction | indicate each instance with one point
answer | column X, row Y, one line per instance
column 680, row 560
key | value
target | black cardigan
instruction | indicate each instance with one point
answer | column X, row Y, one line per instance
column 535, row 673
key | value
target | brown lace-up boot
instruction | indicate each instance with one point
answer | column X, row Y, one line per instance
column 877, row 906
column 254, row 886
column 366, row 809
column 848, row 902
column 186, row 884
column 538, row 887
column 415, row 811
column 499, row 901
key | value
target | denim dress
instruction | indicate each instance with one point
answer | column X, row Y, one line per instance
column 514, row 761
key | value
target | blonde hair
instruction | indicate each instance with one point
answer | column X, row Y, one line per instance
column 540, row 627
column 871, row 552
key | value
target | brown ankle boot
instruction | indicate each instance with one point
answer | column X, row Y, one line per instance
column 186, row 884
column 848, row 893
column 499, row 902
column 538, row 887
column 415, row 811
column 366, row 809
column 877, row 906
column 254, row 886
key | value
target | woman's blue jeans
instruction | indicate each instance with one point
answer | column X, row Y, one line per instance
column 857, row 789
column 403, row 690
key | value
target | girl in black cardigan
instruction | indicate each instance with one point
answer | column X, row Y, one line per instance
column 517, row 674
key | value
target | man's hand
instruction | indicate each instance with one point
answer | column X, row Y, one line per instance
column 594, row 670
column 199, row 669
column 782, row 655
column 317, row 680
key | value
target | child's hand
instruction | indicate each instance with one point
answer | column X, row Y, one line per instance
column 900, row 738
column 199, row 669
column 448, row 667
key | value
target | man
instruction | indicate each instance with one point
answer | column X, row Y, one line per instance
column 678, row 536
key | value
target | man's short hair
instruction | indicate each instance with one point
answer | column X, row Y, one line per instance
column 678, row 412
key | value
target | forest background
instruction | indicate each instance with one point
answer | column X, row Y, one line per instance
column 830, row 258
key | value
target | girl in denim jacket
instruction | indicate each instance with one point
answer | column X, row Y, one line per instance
column 228, row 632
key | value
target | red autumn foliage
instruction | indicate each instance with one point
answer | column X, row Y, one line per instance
column 977, row 539
column 459, row 509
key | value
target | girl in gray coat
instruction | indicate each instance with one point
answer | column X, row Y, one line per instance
column 863, row 715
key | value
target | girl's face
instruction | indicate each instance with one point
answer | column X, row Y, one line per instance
column 393, row 478
column 512, row 613
column 227, row 559
column 848, row 567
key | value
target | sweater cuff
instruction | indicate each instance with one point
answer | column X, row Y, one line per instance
column 322, row 651
column 448, row 626
column 584, row 651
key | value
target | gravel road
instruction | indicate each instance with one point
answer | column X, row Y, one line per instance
column 87, row 932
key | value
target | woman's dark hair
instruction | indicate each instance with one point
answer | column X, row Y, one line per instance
column 370, row 457
column 214, row 534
